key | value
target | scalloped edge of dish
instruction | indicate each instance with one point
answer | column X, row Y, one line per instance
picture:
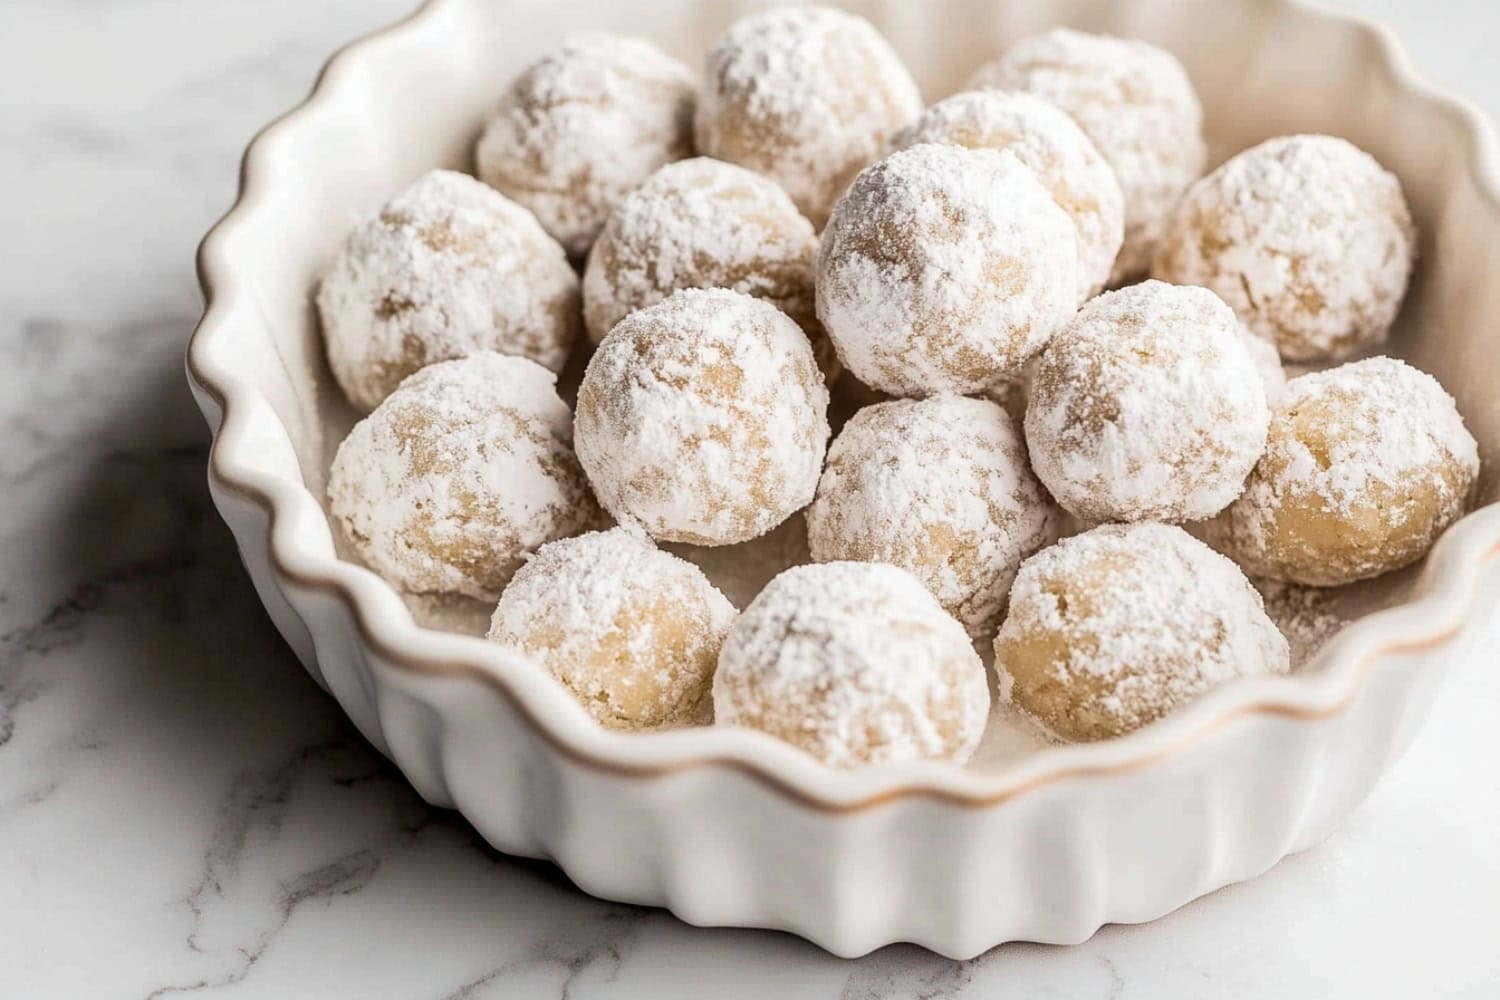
column 1444, row 599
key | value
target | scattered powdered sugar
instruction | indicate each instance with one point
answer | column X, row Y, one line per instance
column 1306, row 236
column 854, row 663
column 1365, row 464
column 704, row 418
column 459, row 474
column 1305, row 615
column 943, row 269
column 805, row 95
column 632, row 631
column 1147, row 407
column 941, row 488
column 448, row 267
column 1044, row 138
column 585, row 125
column 701, row 223
column 1135, row 102
column 1114, row 628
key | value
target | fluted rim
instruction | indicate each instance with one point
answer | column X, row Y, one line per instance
column 1445, row 599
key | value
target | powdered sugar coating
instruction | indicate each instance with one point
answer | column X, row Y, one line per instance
column 1147, row 407
column 807, row 96
column 459, row 474
column 583, row 126
column 701, row 223
column 1044, row 138
column 1267, row 364
column 941, row 488
column 703, row 418
column 1365, row 465
column 1306, row 236
column 854, row 663
column 631, row 631
column 943, row 269
column 448, row 267
column 1135, row 102
column 1112, row 629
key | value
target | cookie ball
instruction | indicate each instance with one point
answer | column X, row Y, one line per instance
column 1138, row 106
column 701, row 223
column 1063, row 158
column 943, row 269
column 1112, row 629
column 631, row 631
column 941, row 488
column 585, row 125
column 855, row 663
column 459, row 474
column 448, row 267
column 1147, row 407
column 1365, row 465
column 703, row 418
column 1306, row 236
column 807, row 96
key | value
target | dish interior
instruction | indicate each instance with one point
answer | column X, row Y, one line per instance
column 345, row 166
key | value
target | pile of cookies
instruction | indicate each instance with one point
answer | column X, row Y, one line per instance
column 1076, row 436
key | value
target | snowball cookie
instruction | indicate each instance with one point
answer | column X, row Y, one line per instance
column 584, row 126
column 701, row 223
column 1306, row 236
column 943, row 269
column 631, row 631
column 1114, row 628
column 1044, row 138
column 459, row 474
column 1136, row 103
column 448, row 267
column 703, row 418
column 855, row 663
column 1147, row 407
column 805, row 95
column 941, row 488
column 1366, row 465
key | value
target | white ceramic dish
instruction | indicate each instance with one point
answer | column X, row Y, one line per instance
column 729, row 827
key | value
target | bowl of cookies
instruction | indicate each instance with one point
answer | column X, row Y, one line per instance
column 951, row 474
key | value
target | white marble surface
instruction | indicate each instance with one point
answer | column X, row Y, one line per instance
column 182, row 811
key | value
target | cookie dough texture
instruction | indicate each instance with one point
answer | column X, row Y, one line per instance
column 585, row 125
column 941, row 488
column 448, row 267
column 855, row 663
column 808, row 96
column 631, row 631
column 461, row 473
column 1366, row 465
column 1115, row 628
column 1135, row 102
column 703, row 418
column 1306, row 236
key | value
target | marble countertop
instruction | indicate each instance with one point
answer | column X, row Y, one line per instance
column 182, row 811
